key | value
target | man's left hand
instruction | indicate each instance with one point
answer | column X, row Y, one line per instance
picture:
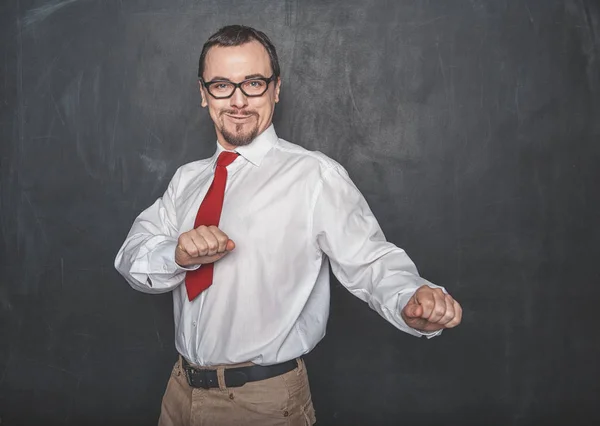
column 430, row 309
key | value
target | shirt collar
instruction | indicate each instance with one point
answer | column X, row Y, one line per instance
column 256, row 150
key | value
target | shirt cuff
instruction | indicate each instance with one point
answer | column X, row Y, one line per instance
column 162, row 259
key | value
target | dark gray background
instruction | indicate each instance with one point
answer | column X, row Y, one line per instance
column 472, row 128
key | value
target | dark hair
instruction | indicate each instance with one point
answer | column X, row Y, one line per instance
column 236, row 35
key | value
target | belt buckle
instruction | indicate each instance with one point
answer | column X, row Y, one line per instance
column 197, row 378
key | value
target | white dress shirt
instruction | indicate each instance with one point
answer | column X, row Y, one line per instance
column 287, row 209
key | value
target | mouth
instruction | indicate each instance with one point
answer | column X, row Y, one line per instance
column 239, row 117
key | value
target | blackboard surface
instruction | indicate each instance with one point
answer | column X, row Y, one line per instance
column 471, row 127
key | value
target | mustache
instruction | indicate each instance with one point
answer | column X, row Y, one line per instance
column 238, row 112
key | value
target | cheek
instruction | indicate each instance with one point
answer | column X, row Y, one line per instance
column 264, row 107
column 214, row 109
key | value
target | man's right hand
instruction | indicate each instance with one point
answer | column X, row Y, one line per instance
column 205, row 244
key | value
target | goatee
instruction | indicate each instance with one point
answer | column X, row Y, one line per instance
column 239, row 137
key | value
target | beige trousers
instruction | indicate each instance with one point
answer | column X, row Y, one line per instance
column 281, row 400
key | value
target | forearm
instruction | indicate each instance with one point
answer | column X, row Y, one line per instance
column 147, row 257
column 386, row 282
column 399, row 282
column 148, row 264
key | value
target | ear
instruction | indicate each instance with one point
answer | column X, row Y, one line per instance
column 277, row 89
column 204, row 103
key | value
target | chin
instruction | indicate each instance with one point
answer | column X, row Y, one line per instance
column 236, row 136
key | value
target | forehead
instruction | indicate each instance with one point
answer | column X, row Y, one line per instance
column 237, row 62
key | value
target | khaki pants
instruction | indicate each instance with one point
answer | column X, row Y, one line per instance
column 280, row 400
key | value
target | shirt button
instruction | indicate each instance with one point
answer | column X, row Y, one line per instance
column 230, row 396
column 285, row 414
column 164, row 267
column 194, row 323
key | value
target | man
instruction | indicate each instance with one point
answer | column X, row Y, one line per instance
column 243, row 240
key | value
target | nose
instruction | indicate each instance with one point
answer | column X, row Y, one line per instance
column 238, row 99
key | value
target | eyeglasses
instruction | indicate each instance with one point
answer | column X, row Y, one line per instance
column 223, row 89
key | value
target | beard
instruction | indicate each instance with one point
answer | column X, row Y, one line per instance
column 238, row 137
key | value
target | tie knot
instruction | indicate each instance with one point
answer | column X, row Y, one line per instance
column 226, row 158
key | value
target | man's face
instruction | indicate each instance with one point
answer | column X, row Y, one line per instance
column 239, row 119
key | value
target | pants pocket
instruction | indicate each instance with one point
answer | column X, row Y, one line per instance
column 268, row 398
column 300, row 400
column 176, row 402
column 308, row 411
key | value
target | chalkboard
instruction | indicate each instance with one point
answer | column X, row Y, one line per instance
column 471, row 127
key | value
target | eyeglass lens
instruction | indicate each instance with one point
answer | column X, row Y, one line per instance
column 224, row 89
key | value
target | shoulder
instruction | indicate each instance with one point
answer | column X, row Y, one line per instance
column 299, row 156
column 191, row 169
column 189, row 174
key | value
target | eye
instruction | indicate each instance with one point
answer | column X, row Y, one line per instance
column 220, row 86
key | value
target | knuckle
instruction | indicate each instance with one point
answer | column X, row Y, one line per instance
column 458, row 311
column 201, row 244
column 427, row 303
column 448, row 319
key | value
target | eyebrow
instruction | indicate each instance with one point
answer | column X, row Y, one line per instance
column 220, row 78
column 254, row 76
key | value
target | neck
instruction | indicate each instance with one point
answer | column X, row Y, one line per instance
column 227, row 146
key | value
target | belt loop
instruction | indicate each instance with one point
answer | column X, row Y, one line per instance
column 184, row 371
column 221, row 378
column 300, row 363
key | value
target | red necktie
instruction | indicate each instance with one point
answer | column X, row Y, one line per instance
column 209, row 214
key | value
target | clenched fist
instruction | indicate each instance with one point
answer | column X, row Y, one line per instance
column 205, row 244
column 430, row 309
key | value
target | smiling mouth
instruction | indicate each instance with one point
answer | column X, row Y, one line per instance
column 239, row 117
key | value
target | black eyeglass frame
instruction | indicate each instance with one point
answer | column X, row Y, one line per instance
column 236, row 86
